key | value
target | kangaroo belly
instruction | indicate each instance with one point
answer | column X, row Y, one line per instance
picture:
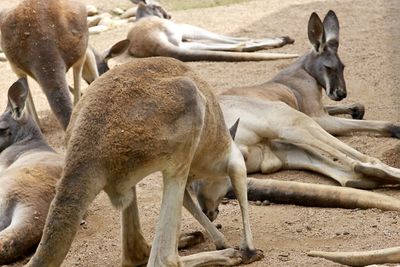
column 261, row 158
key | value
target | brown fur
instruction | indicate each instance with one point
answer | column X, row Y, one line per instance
column 32, row 186
column 154, row 36
column 141, row 117
column 43, row 39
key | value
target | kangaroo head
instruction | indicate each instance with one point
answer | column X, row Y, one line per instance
column 103, row 57
column 148, row 8
column 324, row 63
column 15, row 122
column 210, row 193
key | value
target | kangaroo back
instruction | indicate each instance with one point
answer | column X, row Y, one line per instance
column 36, row 31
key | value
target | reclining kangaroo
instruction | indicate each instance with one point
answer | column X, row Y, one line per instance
column 43, row 39
column 153, row 34
column 301, row 84
column 29, row 170
column 141, row 117
column 273, row 136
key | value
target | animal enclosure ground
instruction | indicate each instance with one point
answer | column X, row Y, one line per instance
column 370, row 49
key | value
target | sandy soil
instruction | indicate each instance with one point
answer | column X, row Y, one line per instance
column 370, row 49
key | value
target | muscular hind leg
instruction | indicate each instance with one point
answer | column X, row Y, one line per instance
column 75, row 191
column 21, row 235
column 135, row 250
column 191, row 32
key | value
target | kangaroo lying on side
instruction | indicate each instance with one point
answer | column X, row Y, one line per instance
column 301, row 84
column 29, row 170
column 43, row 39
column 273, row 136
column 141, row 117
column 153, row 34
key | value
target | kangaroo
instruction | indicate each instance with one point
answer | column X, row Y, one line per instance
column 29, row 170
column 273, row 136
column 43, row 39
column 153, row 34
column 145, row 116
column 301, row 84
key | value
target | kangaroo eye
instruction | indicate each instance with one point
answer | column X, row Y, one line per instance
column 3, row 130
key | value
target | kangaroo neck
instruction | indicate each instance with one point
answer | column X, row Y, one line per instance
column 30, row 143
column 303, row 85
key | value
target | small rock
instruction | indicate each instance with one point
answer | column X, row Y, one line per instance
column 299, row 230
column 218, row 226
column 258, row 203
column 118, row 11
column 224, row 201
column 308, row 228
column 374, row 226
column 97, row 29
column 346, row 233
column 82, row 222
column 91, row 10
column 93, row 21
column 266, row 203
column 284, row 257
column 131, row 12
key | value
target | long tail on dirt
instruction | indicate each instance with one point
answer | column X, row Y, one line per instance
column 361, row 258
column 313, row 195
column 183, row 54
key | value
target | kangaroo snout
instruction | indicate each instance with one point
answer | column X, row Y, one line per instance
column 341, row 94
column 211, row 215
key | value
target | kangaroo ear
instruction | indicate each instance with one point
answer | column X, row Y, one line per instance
column 316, row 33
column 17, row 95
column 331, row 26
column 117, row 49
column 234, row 128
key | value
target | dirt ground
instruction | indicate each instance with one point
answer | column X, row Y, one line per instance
column 370, row 49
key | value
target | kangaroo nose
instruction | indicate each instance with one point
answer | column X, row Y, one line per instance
column 341, row 94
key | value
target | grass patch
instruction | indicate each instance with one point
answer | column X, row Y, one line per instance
column 190, row 4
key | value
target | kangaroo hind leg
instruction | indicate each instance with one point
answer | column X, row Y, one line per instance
column 21, row 235
column 75, row 191
column 135, row 250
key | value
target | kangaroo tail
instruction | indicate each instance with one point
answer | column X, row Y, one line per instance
column 314, row 195
column 361, row 258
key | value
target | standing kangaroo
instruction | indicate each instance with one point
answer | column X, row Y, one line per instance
column 141, row 117
column 43, row 39
column 153, row 34
column 301, row 84
column 29, row 170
